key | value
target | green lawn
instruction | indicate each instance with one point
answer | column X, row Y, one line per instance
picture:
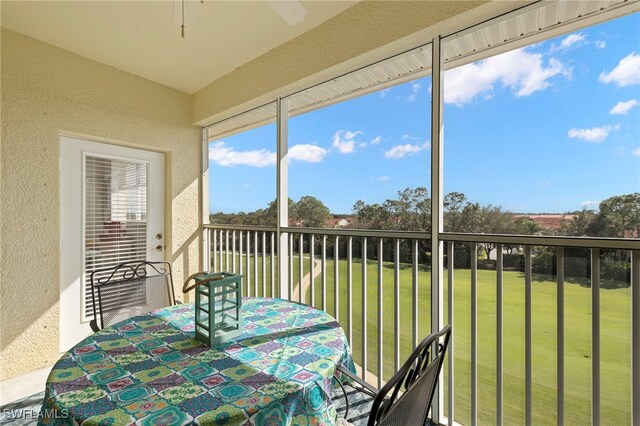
column 615, row 337
column 253, row 286
column 615, row 340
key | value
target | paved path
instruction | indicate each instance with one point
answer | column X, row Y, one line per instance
column 306, row 281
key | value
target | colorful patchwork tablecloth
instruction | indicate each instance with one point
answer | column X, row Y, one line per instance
column 149, row 370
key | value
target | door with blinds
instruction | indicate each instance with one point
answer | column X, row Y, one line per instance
column 111, row 211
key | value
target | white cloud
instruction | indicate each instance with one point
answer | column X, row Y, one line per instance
column 226, row 156
column 595, row 134
column 350, row 135
column 400, row 151
column 381, row 178
column 362, row 145
column 623, row 107
column 376, row 140
column 601, row 44
column 576, row 39
column 344, row 141
column 636, row 152
column 307, row 152
column 415, row 88
column 572, row 39
column 626, row 73
column 521, row 71
column 406, row 137
column 543, row 184
column 590, row 204
column 229, row 157
column 383, row 92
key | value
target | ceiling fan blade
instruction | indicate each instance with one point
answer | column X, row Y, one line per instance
column 292, row 11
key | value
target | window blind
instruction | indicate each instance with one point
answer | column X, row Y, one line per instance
column 115, row 217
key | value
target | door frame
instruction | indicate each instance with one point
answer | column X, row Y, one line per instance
column 73, row 150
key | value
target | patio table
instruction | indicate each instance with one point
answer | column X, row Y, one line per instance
column 150, row 370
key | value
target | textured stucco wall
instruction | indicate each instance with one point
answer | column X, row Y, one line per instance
column 360, row 29
column 46, row 91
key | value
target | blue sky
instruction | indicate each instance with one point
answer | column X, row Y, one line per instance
column 552, row 127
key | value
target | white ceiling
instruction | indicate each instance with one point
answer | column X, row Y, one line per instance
column 143, row 37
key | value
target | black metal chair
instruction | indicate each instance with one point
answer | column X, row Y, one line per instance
column 129, row 289
column 406, row 398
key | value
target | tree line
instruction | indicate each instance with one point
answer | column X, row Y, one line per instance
column 308, row 211
column 617, row 216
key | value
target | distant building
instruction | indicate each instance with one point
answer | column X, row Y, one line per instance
column 339, row 222
column 334, row 222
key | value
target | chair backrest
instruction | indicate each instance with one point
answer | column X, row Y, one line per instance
column 406, row 398
column 129, row 289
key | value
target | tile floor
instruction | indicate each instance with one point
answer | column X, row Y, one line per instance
column 22, row 386
column 22, row 412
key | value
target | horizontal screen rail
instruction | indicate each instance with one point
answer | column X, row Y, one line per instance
column 359, row 233
column 534, row 240
column 539, row 240
column 241, row 227
column 328, row 231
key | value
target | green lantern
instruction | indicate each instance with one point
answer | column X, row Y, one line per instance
column 218, row 303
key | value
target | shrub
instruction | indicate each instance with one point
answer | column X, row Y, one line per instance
column 513, row 261
column 543, row 262
column 615, row 270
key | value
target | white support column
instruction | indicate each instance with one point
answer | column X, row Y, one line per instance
column 205, row 243
column 437, row 297
column 282, row 196
column 595, row 337
column 450, row 314
column 380, row 313
column 635, row 337
column 350, row 290
column 528, row 346
column 396, row 304
column 499, row 336
column 560, row 334
column 474, row 333
column 365, row 318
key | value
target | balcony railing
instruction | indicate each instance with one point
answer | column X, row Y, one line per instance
column 542, row 335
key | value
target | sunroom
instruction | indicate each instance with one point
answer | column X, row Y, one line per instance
column 395, row 166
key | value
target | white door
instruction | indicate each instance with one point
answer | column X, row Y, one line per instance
column 111, row 211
